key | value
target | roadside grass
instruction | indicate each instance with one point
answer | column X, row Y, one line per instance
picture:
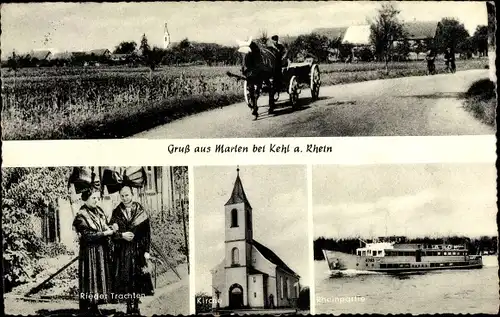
column 481, row 101
column 109, row 123
column 114, row 102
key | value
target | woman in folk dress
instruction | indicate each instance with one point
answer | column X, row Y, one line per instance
column 93, row 262
column 132, row 244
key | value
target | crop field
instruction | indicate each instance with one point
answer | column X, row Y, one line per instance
column 116, row 102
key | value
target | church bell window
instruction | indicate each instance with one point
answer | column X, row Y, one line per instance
column 234, row 218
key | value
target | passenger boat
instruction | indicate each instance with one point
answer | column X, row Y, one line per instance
column 391, row 257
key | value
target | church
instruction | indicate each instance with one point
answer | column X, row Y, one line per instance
column 251, row 275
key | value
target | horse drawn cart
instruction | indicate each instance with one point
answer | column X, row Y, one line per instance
column 295, row 77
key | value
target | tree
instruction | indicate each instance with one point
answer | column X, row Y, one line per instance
column 479, row 40
column 125, row 48
column 310, row 44
column 385, row 29
column 26, row 192
column 402, row 50
column 450, row 33
column 150, row 57
column 13, row 61
column 144, row 48
column 466, row 47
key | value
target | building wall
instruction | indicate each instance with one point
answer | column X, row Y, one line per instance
column 219, row 283
column 262, row 264
column 256, row 291
column 236, row 275
column 271, row 289
column 288, row 291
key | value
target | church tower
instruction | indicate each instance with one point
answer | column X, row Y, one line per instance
column 238, row 247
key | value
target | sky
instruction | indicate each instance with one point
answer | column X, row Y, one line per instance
column 85, row 26
column 412, row 200
column 278, row 196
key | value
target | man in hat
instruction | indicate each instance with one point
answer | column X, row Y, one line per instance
column 280, row 56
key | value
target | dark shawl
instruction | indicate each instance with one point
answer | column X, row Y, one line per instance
column 93, row 263
column 128, row 256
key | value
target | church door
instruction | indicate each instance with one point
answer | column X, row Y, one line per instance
column 236, row 296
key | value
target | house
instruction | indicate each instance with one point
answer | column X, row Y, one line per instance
column 103, row 52
column 40, row 55
column 119, row 57
column 333, row 34
column 420, row 30
column 160, row 196
column 250, row 275
column 357, row 35
column 62, row 56
column 419, row 35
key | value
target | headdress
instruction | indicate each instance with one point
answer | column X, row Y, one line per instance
column 85, row 181
column 116, row 179
column 84, row 178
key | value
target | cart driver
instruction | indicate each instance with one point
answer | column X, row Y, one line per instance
column 280, row 58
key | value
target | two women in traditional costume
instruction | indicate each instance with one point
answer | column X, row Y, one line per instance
column 114, row 255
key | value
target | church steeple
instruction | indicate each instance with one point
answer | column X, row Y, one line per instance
column 238, row 195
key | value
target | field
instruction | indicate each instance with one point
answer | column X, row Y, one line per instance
column 116, row 102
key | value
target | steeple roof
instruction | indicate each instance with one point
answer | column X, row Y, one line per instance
column 238, row 195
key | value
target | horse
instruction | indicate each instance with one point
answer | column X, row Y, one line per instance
column 258, row 67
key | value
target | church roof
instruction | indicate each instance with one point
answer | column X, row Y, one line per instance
column 238, row 195
column 272, row 257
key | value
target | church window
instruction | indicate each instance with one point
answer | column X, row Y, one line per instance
column 234, row 218
column 254, row 295
column 235, row 256
column 254, row 279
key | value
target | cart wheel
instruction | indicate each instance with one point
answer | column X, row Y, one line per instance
column 293, row 91
column 315, row 82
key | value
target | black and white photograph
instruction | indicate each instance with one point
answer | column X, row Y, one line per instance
column 251, row 240
column 405, row 239
column 95, row 240
column 247, row 69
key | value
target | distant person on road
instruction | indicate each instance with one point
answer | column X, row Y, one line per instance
column 449, row 57
column 431, row 61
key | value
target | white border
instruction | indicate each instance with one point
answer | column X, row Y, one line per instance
column 346, row 150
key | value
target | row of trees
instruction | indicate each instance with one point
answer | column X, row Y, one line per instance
column 386, row 29
column 349, row 245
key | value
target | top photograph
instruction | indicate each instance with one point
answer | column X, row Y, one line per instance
column 203, row 70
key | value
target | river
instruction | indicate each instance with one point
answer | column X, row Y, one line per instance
column 447, row 291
